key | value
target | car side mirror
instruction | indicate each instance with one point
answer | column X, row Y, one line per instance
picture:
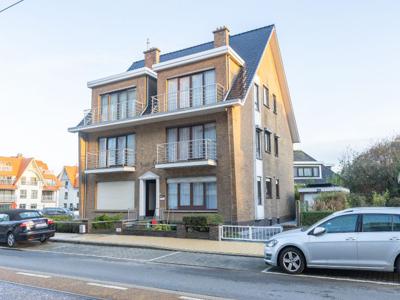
column 319, row 231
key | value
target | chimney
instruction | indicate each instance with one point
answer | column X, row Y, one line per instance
column 221, row 36
column 151, row 57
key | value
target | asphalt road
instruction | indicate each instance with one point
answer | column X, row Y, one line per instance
column 200, row 274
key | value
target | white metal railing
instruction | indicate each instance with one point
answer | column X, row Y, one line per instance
column 120, row 111
column 111, row 158
column 202, row 149
column 6, row 181
column 7, row 198
column 248, row 233
column 188, row 98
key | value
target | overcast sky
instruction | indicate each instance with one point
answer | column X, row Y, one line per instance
column 342, row 61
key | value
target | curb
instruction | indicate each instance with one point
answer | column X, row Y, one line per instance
column 61, row 240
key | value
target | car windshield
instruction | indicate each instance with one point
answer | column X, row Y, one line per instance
column 29, row 215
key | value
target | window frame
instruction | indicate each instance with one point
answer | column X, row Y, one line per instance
column 266, row 96
column 259, row 190
column 275, row 105
column 258, row 143
column 108, row 105
column 361, row 225
column 357, row 225
column 276, row 145
column 277, row 189
column 25, row 194
column 256, row 96
column 267, row 141
column 117, row 149
column 268, row 188
column 298, row 168
column 191, row 206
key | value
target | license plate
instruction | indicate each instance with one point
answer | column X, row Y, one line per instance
column 41, row 225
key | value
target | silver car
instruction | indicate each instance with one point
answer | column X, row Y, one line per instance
column 357, row 238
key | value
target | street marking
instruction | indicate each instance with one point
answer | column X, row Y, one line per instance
column 163, row 256
column 33, row 275
column 189, row 298
column 333, row 278
column 266, row 270
column 108, row 286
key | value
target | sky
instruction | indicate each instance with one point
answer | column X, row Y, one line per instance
column 341, row 60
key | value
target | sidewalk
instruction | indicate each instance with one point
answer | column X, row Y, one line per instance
column 252, row 249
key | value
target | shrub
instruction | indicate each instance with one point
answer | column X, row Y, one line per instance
column 356, row 200
column 330, row 201
column 105, row 221
column 310, row 217
column 162, row 227
column 67, row 227
column 393, row 202
column 379, row 199
column 59, row 218
column 202, row 222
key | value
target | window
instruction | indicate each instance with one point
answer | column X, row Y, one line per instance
column 66, row 184
column 341, row 224
column 23, row 206
column 116, row 151
column 34, row 194
column 65, row 195
column 276, row 145
column 191, row 143
column 278, row 193
column 65, row 205
column 266, row 96
column 4, row 218
column 256, row 98
column 33, row 206
column 23, row 180
column 259, row 192
column 77, row 194
column 396, row 223
column 375, row 223
column 275, row 108
column 192, row 90
column 258, row 143
column 192, row 195
column 118, row 105
column 71, row 206
column 33, row 181
column 306, row 171
column 22, row 194
column 268, row 188
column 267, row 141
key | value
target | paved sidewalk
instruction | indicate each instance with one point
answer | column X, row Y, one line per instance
column 252, row 249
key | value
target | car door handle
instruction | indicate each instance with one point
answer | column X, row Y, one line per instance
column 395, row 238
column 351, row 239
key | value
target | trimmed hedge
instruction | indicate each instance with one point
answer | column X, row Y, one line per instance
column 310, row 217
column 202, row 222
column 105, row 221
column 67, row 227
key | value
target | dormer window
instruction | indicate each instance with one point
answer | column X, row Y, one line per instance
column 119, row 105
column 307, row 171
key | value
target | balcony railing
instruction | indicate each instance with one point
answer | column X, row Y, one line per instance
column 47, row 197
column 5, row 198
column 6, row 181
column 187, row 151
column 189, row 98
column 110, row 159
column 110, row 113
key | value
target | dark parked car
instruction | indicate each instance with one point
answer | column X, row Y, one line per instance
column 57, row 211
column 24, row 225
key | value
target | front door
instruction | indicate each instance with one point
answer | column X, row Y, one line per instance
column 150, row 197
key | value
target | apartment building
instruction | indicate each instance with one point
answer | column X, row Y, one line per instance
column 206, row 129
column 68, row 194
column 26, row 183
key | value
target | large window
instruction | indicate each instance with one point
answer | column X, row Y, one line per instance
column 34, row 194
column 256, row 97
column 118, row 105
column 306, row 171
column 259, row 191
column 267, row 140
column 266, row 96
column 258, row 143
column 192, row 195
column 276, row 145
column 191, row 143
column 380, row 222
column 117, row 151
column 268, row 188
column 22, row 194
column 192, row 90
column 341, row 224
column 277, row 189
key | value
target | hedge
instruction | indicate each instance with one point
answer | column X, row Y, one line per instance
column 67, row 227
column 202, row 222
column 310, row 217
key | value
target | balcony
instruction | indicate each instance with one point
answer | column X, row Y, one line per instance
column 186, row 99
column 183, row 154
column 7, row 198
column 112, row 113
column 111, row 161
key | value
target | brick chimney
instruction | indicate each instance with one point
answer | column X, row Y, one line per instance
column 151, row 57
column 221, row 36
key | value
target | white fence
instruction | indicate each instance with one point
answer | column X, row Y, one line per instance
column 248, row 233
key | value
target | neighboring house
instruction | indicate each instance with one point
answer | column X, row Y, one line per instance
column 26, row 183
column 206, row 129
column 313, row 177
column 68, row 195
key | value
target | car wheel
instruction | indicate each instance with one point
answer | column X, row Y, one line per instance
column 43, row 239
column 397, row 266
column 11, row 240
column 292, row 261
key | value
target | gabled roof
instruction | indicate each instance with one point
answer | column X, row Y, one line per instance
column 73, row 175
column 48, row 175
column 249, row 45
column 300, row 155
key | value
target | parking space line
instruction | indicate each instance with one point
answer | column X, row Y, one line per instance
column 333, row 278
column 108, row 286
column 266, row 270
column 189, row 298
column 163, row 256
column 33, row 275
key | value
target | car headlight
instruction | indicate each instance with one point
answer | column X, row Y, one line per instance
column 271, row 243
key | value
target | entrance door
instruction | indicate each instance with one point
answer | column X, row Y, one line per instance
column 150, row 197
